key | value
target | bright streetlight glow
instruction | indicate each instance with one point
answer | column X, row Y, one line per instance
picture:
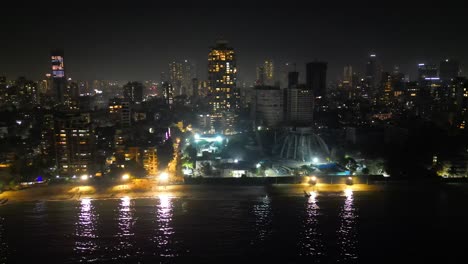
column 313, row 178
column 236, row 160
column 219, row 138
column 84, row 177
column 258, row 165
column 315, row 160
column 125, row 177
column 197, row 136
column 164, row 177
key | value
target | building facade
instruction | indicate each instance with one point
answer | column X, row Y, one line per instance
column 223, row 95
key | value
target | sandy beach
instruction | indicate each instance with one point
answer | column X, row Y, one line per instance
column 145, row 190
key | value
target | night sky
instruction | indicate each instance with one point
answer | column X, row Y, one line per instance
column 137, row 43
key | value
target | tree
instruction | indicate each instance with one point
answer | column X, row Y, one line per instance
column 206, row 169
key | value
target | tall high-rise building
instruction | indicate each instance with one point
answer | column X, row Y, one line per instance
column 223, row 95
column 195, row 84
column 293, row 79
column 373, row 72
column 168, row 92
column 261, row 76
column 348, row 75
column 180, row 76
column 133, row 92
column 316, row 78
column 58, row 74
column 427, row 72
column 265, row 73
column 267, row 107
column 300, row 106
column 175, row 76
column 73, row 143
column 269, row 72
column 449, row 69
column 188, row 73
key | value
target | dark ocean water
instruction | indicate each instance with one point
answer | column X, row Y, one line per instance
column 399, row 224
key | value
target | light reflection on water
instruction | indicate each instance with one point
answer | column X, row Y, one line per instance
column 311, row 243
column 125, row 234
column 347, row 231
column 263, row 215
column 85, row 229
column 164, row 229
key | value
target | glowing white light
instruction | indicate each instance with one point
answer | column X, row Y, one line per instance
column 348, row 192
column 197, row 136
column 313, row 178
column 164, row 176
column 315, row 160
column 125, row 201
column 258, row 165
column 84, row 177
column 219, row 138
column 165, row 200
column 125, row 177
column 236, row 160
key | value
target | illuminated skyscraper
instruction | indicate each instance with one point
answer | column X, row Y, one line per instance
column 265, row 73
column 223, row 94
column 175, row 76
column 348, row 75
column 373, row 72
column 58, row 75
column 180, row 76
column 168, row 92
column 73, row 143
column 269, row 72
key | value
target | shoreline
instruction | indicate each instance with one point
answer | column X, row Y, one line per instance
column 77, row 192
column 138, row 189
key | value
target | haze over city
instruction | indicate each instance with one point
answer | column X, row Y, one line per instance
column 132, row 42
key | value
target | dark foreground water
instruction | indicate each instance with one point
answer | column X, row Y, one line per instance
column 413, row 223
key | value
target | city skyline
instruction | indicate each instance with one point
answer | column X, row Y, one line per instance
column 102, row 43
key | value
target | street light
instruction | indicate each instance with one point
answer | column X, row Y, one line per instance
column 84, row 177
column 313, row 180
column 315, row 160
column 125, row 177
column 164, row 177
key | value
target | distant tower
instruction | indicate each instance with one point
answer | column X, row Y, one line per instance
column 293, row 79
column 176, row 76
column 449, row 69
column 168, row 92
column 58, row 74
column 269, row 72
column 261, row 76
column 316, row 78
column 348, row 75
column 373, row 71
column 223, row 95
column 427, row 72
column 133, row 92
